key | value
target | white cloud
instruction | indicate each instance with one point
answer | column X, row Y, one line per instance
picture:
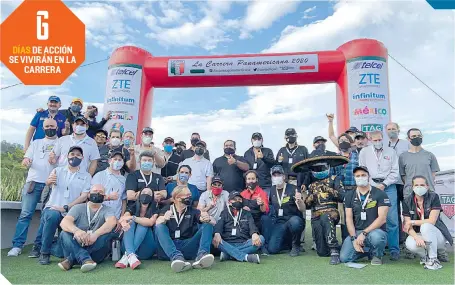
column 306, row 13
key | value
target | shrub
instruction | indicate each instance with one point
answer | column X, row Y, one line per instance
column 13, row 174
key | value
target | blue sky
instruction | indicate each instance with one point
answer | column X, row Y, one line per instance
column 419, row 37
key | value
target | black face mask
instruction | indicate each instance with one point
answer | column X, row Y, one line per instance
column 252, row 185
column 96, row 198
column 229, row 151
column 237, row 205
column 50, row 132
column 179, row 150
column 194, row 141
column 199, row 151
column 292, row 139
column 344, row 146
column 186, row 201
column 74, row 161
column 321, row 147
column 145, row 199
column 416, row 141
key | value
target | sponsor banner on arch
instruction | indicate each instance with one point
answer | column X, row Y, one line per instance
column 368, row 93
column 123, row 91
column 444, row 185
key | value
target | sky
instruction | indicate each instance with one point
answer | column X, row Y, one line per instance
column 420, row 38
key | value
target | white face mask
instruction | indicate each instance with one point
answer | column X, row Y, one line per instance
column 361, row 181
column 257, row 143
column 378, row 145
column 277, row 180
column 420, row 190
column 146, row 140
column 79, row 130
column 115, row 141
column 117, row 165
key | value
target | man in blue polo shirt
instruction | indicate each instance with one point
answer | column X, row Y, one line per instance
column 36, row 131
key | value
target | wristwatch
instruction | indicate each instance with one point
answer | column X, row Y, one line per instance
column 66, row 208
column 413, row 222
column 134, row 218
column 365, row 233
column 353, row 238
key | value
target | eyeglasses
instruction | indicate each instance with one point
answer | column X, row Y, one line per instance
column 101, row 136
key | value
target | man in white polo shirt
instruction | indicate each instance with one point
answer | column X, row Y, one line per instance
column 69, row 186
column 202, row 169
column 36, row 159
column 114, row 184
column 78, row 138
column 147, row 145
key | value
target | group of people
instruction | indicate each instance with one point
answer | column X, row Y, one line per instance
column 104, row 194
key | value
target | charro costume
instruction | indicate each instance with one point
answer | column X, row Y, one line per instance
column 322, row 197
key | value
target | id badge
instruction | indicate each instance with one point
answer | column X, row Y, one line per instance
column 67, row 193
column 290, row 160
column 255, row 165
column 234, row 232
column 280, row 212
column 363, row 216
column 177, row 234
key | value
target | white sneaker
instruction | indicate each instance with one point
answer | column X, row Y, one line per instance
column 133, row 261
column 204, row 261
column 432, row 264
column 423, row 260
column 179, row 265
column 123, row 262
column 88, row 266
column 15, row 251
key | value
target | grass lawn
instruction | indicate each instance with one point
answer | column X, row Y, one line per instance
column 278, row 269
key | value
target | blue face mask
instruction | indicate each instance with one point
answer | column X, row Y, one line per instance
column 168, row 148
column 321, row 175
column 146, row 165
column 75, row 108
column 183, row 177
column 126, row 143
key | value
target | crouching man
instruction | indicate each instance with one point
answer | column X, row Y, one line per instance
column 86, row 232
column 236, row 235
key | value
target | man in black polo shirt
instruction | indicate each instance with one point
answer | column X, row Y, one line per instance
column 260, row 159
column 184, row 233
column 236, row 235
column 179, row 149
column 230, row 167
column 366, row 215
column 291, row 153
column 172, row 160
column 188, row 153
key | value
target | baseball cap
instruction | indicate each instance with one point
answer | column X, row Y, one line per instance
column 168, row 139
column 234, row 194
column 76, row 147
column 102, row 131
column 360, row 134
column 217, row 179
column 202, row 143
column 54, row 98
column 256, row 135
column 352, row 130
column 78, row 100
column 277, row 169
column 364, row 168
column 290, row 132
column 117, row 153
column 82, row 118
column 147, row 129
column 319, row 138
column 181, row 143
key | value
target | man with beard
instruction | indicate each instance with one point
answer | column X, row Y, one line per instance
column 172, row 160
column 188, row 153
column 360, row 141
column 93, row 125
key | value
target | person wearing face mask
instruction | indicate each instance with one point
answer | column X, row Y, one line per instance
column 322, row 197
column 78, row 138
column 86, row 235
column 172, row 160
column 201, row 168
column 114, row 184
column 71, row 114
column 36, row 130
column 287, row 207
column 360, row 141
column 69, row 186
column 214, row 201
column 236, row 235
column 291, row 154
column 137, row 224
column 260, row 159
column 147, row 145
column 115, row 145
column 183, row 175
column 145, row 178
column 351, row 132
column 417, row 161
column 188, row 153
column 180, row 148
column 382, row 163
column 422, row 221
column 93, row 125
column 184, row 233
column 230, row 167
column 366, row 215
column 36, row 160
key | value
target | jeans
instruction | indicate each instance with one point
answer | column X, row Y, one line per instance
column 75, row 253
column 140, row 241
column 29, row 202
column 393, row 232
column 402, row 235
column 429, row 233
column 50, row 220
column 374, row 245
column 285, row 235
column 190, row 248
column 239, row 250
column 265, row 226
column 324, row 234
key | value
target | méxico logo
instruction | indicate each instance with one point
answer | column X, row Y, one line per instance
column 177, row 67
column 448, row 204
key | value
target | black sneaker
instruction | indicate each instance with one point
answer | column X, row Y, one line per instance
column 253, row 258
column 394, row 256
column 35, row 253
column 264, row 251
column 295, row 251
column 443, row 256
column 44, row 259
column 334, row 257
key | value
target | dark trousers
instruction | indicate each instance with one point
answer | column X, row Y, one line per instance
column 77, row 254
column 400, row 196
column 324, row 234
column 284, row 235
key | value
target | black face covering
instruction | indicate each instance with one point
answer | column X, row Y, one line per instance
column 344, row 146
column 145, row 199
column 96, row 198
column 194, row 141
column 416, row 141
column 252, row 185
column 237, row 205
column 321, row 147
column 229, row 151
column 186, row 201
column 74, row 161
column 50, row 132
column 199, row 151
column 292, row 139
column 179, row 150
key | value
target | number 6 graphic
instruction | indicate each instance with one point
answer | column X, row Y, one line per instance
column 42, row 29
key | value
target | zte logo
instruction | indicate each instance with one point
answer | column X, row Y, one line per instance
column 369, row 79
column 366, row 64
column 121, row 84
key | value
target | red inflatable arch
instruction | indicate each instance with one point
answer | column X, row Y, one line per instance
column 358, row 67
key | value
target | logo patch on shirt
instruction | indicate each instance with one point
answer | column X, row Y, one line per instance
column 187, row 216
column 140, row 180
column 371, row 204
column 286, row 199
column 412, row 212
column 386, row 201
column 386, row 157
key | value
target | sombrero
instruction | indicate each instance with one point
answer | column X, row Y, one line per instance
column 318, row 156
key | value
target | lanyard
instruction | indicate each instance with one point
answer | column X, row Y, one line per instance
column 94, row 216
column 236, row 218
column 292, row 153
column 398, row 140
column 419, row 211
column 79, row 142
column 69, row 178
column 145, row 180
column 364, row 202
column 280, row 199
column 178, row 220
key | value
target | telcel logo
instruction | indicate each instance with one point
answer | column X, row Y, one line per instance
column 372, row 127
column 123, row 71
column 367, row 64
column 120, row 100
column 369, row 79
column 121, row 84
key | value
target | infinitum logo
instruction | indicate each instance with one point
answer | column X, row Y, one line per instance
column 371, row 96
column 367, row 64
column 120, row 100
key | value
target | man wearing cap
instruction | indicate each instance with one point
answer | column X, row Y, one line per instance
column 35, row 130
column 69, row 186
column 115, row 145
column 351, row 132
column 71, row 114
column 78, row 138
column 172, row 160
column 260, row 159
column 182, row 177
column 202, row 169
column 215, row 200
column 179, row 149
column 290, row 154
column 366, row 215
column 230, row 167
column 188, row 153
column 360, row 141
column 236, row 235
column 147, row 145
column 382, row 163
column 93, row 125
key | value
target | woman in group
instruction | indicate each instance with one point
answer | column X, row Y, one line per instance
column 138, row 238
column 427, row 232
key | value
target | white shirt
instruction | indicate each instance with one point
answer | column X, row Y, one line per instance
column 200, row 170
column 69, row 186
column 138, row 149
column 87, row 144
column 38, row 153
column 221, row 202
column 112, row 183
column 382, row 164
